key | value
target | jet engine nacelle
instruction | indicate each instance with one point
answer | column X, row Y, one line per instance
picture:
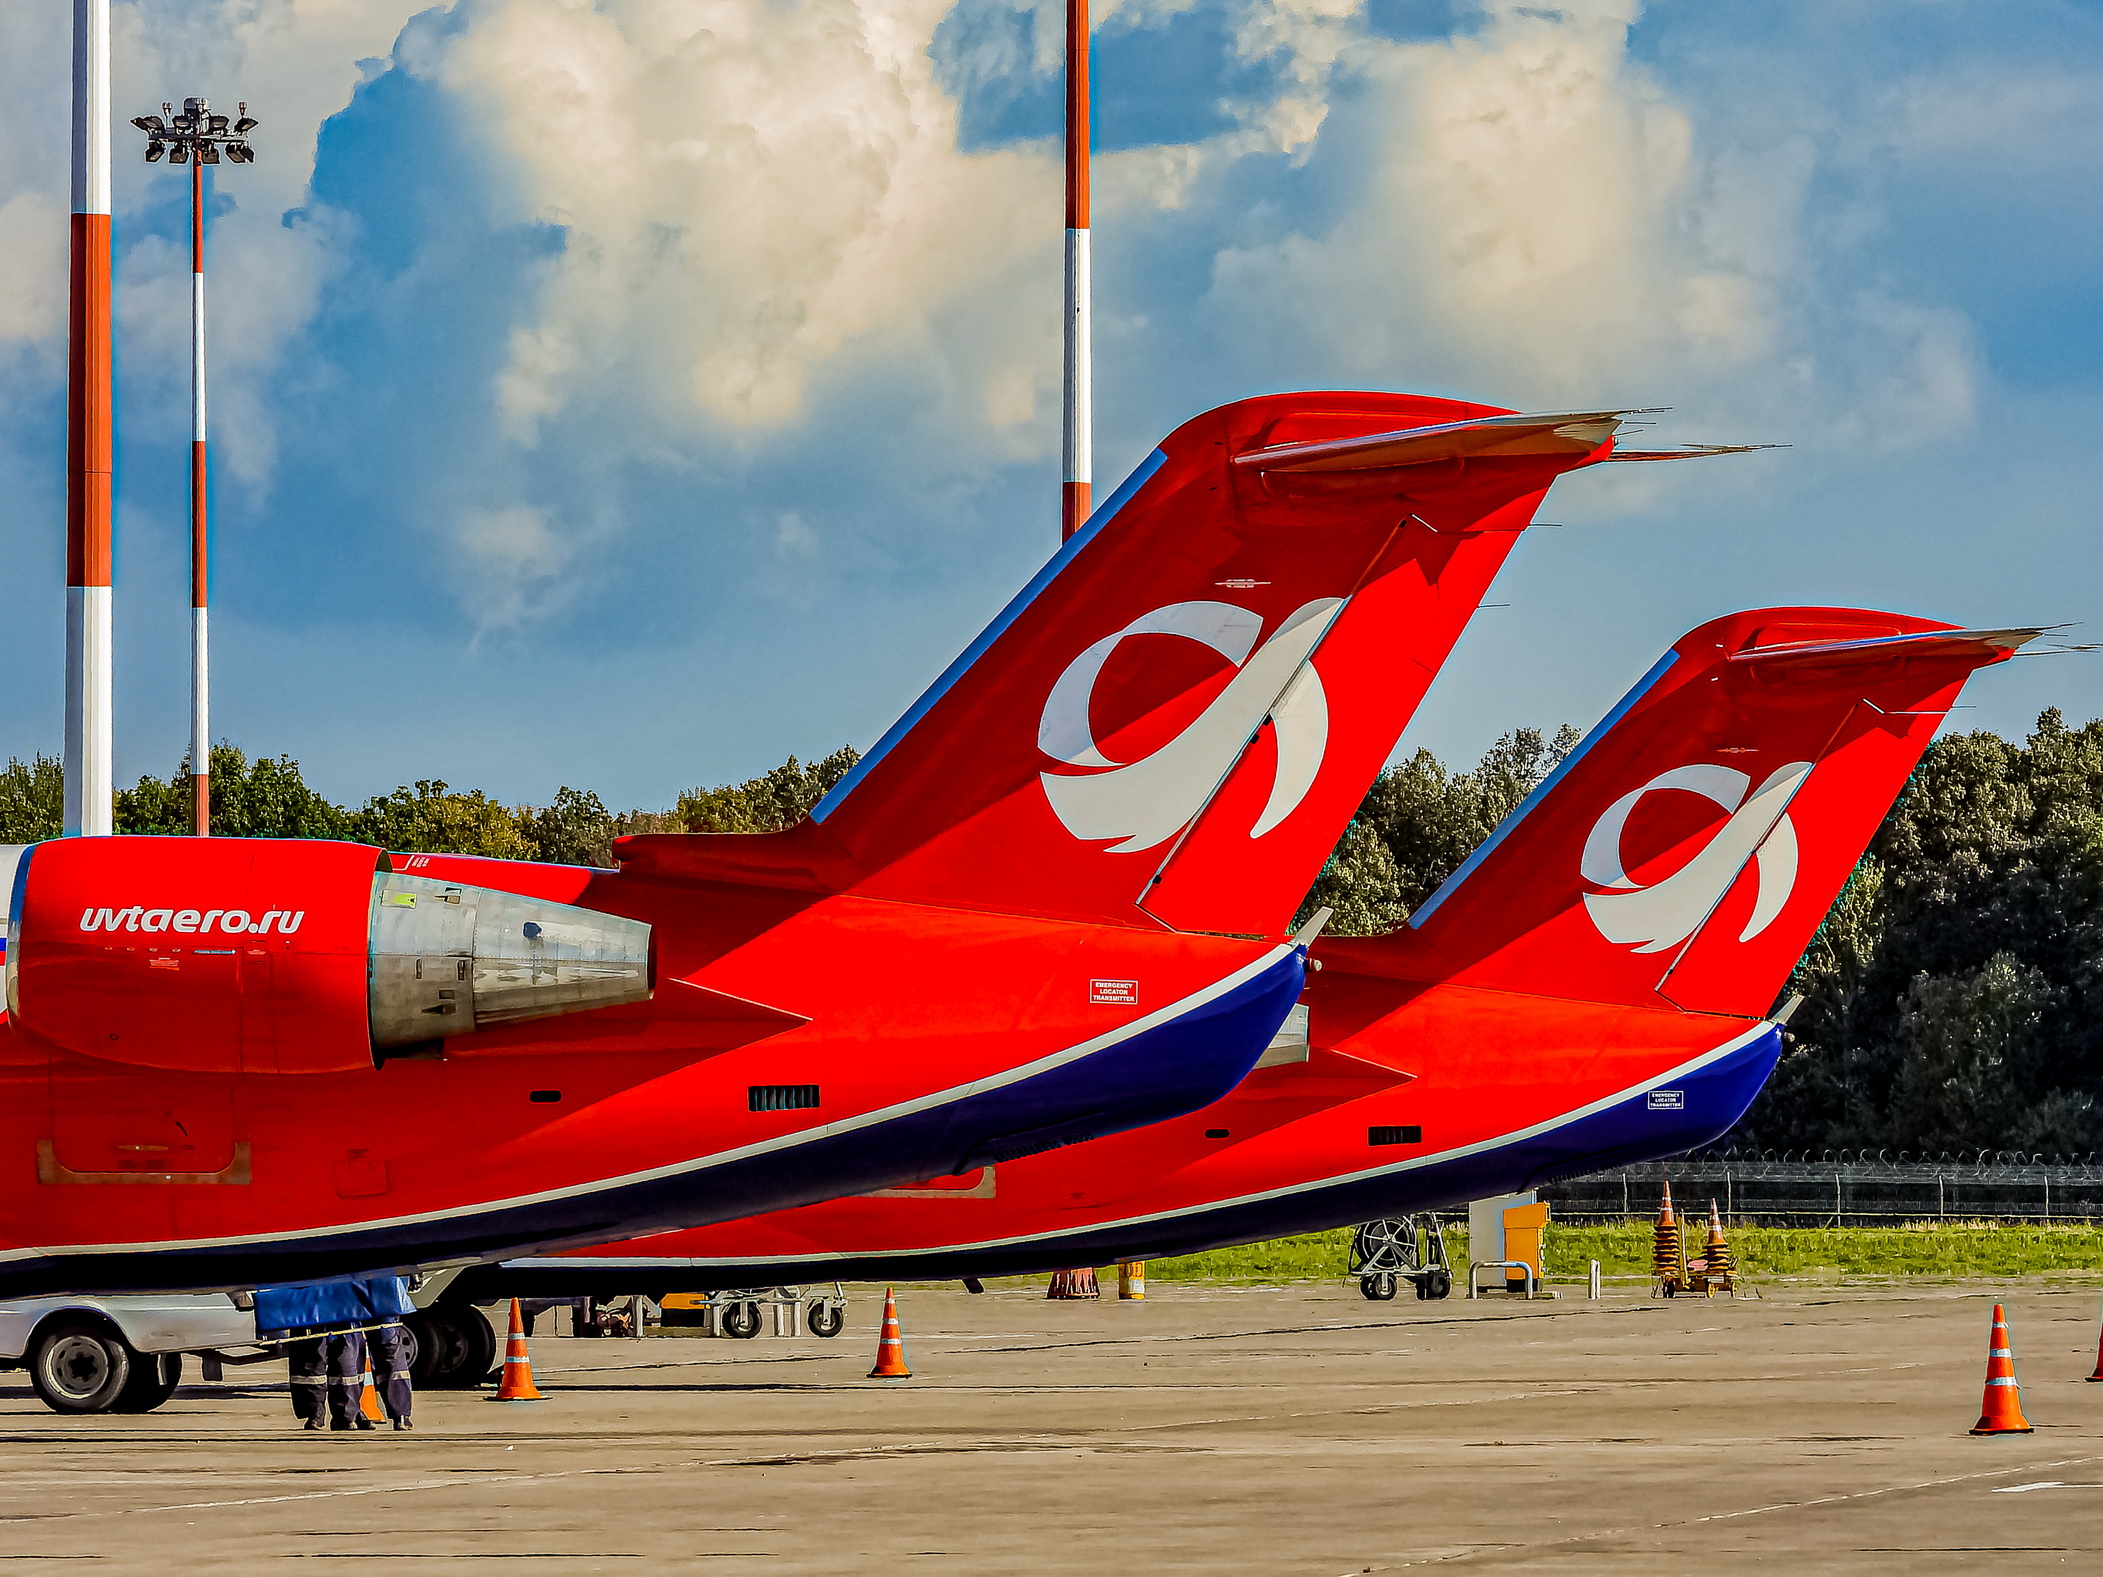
column 229, row 955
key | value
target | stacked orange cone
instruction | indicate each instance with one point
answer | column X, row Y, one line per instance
column 1074, row 1284
column 1668, row 1266
column 2098, row 1375
column 1717, row 1267
column 517, row 1382
column 890, row 1350
column 2002, row 1411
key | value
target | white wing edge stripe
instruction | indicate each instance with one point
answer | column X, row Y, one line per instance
column 1694, row 1065
column 948, row 1097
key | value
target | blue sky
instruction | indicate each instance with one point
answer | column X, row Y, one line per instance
column 630, row 394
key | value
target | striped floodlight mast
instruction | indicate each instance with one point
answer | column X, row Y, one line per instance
column 89, row 439
column 200, row 663
column 1080, row 405
column 197, row 137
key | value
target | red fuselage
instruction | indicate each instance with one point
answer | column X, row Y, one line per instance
column 796, row 1046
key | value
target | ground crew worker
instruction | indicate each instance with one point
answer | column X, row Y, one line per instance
column 347, row 1377
column 310, row 1380
column 390, row 1371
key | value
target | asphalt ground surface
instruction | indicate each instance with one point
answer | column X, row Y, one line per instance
column 1210, row 1429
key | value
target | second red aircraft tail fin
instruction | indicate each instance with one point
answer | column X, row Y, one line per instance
column 1686, row 851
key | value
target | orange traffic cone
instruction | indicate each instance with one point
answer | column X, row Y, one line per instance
column 2098, row 1375
column 517, row 1382
column 890, row 1351
column 2002, row 1411
column 369, row 1402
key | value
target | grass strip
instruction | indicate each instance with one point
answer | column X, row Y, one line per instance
column 1623, row 1250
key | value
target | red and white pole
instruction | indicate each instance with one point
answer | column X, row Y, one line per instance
column 1080, row 373
column 200, row 663
column 89, row 437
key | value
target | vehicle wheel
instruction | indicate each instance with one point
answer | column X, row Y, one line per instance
column 825, row 1319
column 1378, row 1288
column 154, row 1377
column 1441, row 1284
column 741, row 1320
column 77, row 1367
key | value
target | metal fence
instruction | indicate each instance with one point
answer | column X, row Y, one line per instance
column 1844, row 1188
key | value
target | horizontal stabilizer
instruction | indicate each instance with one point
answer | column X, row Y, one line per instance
column 1687, row 452
column 1978, row 645
column 1479, row 438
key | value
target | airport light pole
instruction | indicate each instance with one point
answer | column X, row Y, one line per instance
column 89, row 439
column 1078, row 447
column 197, row 138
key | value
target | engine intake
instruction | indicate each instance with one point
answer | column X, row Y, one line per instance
column 287, row 956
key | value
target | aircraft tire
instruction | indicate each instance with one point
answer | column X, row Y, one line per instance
column 154, row 1377
column 455, row 1347
column 79, row 1366
column 825, row 1319
column 1378, row 1287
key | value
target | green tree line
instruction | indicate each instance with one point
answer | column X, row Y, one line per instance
column 1953, row 996
column 267, row 798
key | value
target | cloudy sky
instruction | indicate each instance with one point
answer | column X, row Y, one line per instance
column 628, row 393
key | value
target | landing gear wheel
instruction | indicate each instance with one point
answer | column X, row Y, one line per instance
column 741, row 1320
column 154, row 1377
column 441, row 1348
column 481, row 1365
column 77, row 1367
column 454, row 1347
column 825, row 1319
column 1378, row 1287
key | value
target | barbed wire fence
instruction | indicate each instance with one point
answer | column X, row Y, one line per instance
column 1842, row 1188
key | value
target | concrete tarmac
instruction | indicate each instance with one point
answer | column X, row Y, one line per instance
column 1210, row 1429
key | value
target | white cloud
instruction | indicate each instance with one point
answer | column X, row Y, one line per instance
column 1531, row 216
column 513, row 566
column 748, row 191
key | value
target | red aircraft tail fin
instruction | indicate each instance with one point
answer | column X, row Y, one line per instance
column 1686, row 851
column 1223, row 656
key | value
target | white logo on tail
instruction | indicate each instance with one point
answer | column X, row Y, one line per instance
column 1666, row 913
column 1146, row 802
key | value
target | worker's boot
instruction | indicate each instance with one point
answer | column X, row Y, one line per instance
column 403, row 1423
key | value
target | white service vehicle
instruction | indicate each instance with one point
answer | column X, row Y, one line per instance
column 122, row 1354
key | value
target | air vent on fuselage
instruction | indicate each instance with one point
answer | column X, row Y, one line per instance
column 782, row 1097
column 1410, row 1135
